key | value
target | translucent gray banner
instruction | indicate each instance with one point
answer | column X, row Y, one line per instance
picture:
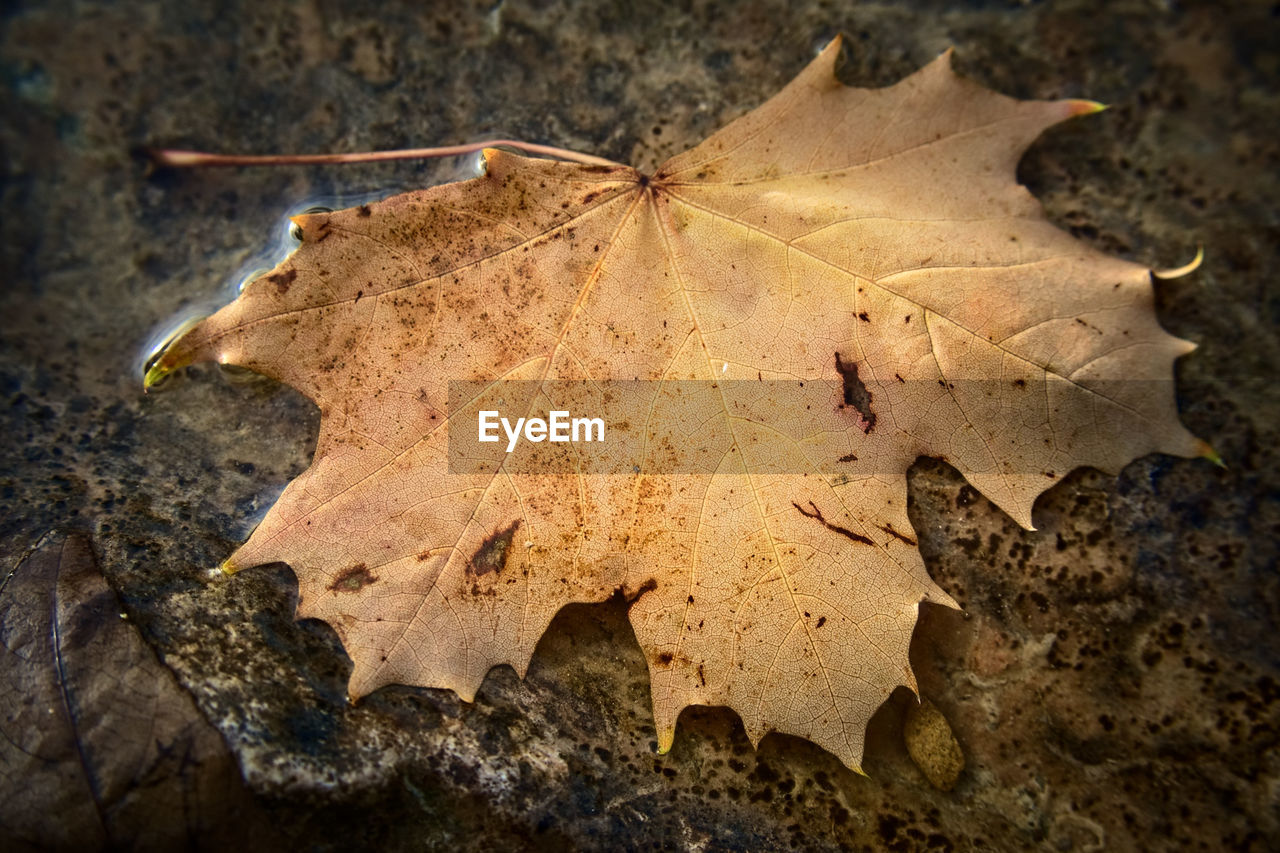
column 838, row 428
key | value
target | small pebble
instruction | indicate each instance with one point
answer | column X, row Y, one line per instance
column 932, row 746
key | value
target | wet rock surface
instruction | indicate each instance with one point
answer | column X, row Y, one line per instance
column 1113, row 679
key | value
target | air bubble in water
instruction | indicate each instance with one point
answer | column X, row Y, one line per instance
column 295, row 232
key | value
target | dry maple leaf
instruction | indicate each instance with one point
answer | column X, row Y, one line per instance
column 869, row 250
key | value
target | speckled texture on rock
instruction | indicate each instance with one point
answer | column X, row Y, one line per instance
column 1113, row 681
column 932, row 746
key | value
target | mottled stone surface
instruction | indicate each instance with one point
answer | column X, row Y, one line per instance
column 1113, row 680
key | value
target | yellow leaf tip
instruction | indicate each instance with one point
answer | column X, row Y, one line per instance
column 154, row 375
column 1207, row 452
column 1185, row 269
column 1081, row 107
column 666, row 738
column 166, row 358
column 229, row 566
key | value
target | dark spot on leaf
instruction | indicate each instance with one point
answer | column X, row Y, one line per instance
column 855, row 393
column 493, row 553
column 835, row 528
column 282, row 280
column 353, row 579
column 822, row 620
column 363, row 210
column 888, row 528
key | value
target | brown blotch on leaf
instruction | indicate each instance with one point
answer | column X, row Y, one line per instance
column 834, row 528
column 855, row 393
column 282, row 280
column 888, row 528
column 493, row 553
column 353, row 579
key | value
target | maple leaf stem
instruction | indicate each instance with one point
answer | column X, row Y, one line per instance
column 173, row 158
